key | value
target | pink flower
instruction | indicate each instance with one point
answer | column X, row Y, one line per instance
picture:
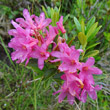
column 50, row 35
column 87, row 69
column 90, row 90
column 60, row 25
column 69, row 57
column 33, row 22
column 28, row 22
column 41, row 22
column 23, row 47
column 19, row 31
column 41, row 54
column 71, row 87
column 64, row 91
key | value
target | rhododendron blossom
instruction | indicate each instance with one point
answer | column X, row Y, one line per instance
column 34, row 37
column 69, row 63
column 60, row 25
column 28, row 42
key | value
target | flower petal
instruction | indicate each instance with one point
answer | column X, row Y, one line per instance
column 95, row 70
column 62, row 96
column 40, row 63
column 92, row 94
column 70, row 99
column 90, row 61
column 83, row 96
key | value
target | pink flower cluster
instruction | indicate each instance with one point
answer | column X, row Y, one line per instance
column 78, row 78
column 32, row 37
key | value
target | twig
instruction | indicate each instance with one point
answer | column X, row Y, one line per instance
column 45, row 3
column 77, row 105
column 32, row 80
column 92, row 7
column 9, row 94
column 53, row 88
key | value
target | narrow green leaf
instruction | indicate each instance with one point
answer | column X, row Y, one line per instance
column 94, row 33
column 91, row 30
column 92, row 53
column 91, row 46
column 90, row 23
column 79, row 3
column 44, row 10
column 66, row 18
column 6, row 51
column 78, row 26
column 55, row 18
column 49, row 11
column 107, row 36
column 82, row 38
column 83, row 26
column 52, row 12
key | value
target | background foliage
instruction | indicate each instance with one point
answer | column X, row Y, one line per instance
column 21, row 88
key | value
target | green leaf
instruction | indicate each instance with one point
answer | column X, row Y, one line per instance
column 90, row 23
column 94, row 33
column 82, row 38
column 54, row 16
column 78, row 26
column 91, row 46
column 92, row 53
column 79, row 3
column 65, row 36
column 83, row 26
column 91, row 30
column 44, row 10
column 107, row 36
column 66, row 18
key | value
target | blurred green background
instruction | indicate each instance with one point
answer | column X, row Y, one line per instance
column 19, row 89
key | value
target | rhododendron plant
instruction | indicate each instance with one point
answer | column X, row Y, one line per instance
column 35, row 37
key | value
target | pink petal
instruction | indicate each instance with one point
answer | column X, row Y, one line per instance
column 56, row 92
column 61, row 97
column 83, row 96
column 27, row 61
column 70, row 99
column 90, row 61
column 13, row 32
column 22, row 22
column 80, row 50
column 60, row 25
column 26, row 14
column 40, row 63
column 97, row 87
column 15, row 24
column 63, row 77
column 51, row 35
column 92, row 94
column 95, row 70
column 56, row 54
